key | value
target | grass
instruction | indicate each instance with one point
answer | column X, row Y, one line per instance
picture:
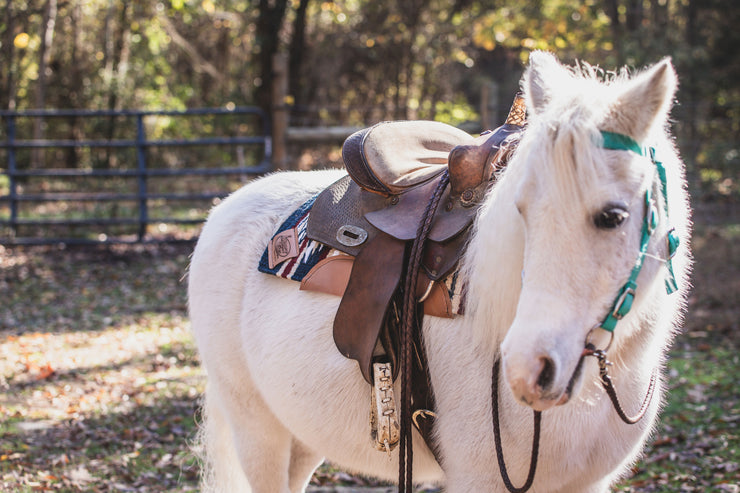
column 101, row 383
column 697, row 445
column 99, row 372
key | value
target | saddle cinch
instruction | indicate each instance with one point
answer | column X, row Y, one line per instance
column 373, row 215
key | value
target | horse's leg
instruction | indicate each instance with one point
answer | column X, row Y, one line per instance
column 221, row 470
column 303, row 462
column 261, row 444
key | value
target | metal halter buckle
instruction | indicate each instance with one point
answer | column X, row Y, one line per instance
column 616, row 313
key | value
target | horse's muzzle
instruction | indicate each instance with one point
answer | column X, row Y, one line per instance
column 538, row 381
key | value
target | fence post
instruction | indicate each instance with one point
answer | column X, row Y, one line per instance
column 12, row 183
column 279, row 110
column 141, row 175
column 489, row 105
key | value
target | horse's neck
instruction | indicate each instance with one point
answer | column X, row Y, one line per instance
column 493, row 263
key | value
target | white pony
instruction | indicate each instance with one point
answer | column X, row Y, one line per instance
column 552, row 246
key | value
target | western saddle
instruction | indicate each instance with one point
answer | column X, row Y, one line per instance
column 373, row 216
column 374, row 212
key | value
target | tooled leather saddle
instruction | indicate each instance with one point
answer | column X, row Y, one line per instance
column 373, row 214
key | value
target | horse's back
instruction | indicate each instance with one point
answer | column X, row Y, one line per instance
column 231, row 244
column 261, row 204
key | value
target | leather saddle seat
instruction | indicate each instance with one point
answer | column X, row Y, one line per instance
column 392, row 157
column 393, row 167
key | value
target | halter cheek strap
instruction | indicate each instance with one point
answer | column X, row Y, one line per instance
column 623, row 302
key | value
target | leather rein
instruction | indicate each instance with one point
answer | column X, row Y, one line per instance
column 621, row 306
column 410, row 326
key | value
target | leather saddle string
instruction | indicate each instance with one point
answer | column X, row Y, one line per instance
column 497, row 439
column 411, row 320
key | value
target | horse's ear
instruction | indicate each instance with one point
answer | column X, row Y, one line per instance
column 644, row 102
column 538, row 80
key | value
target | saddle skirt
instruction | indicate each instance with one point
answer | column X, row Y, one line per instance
column 321, row 268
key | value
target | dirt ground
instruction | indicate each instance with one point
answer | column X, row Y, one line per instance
column 100, row 379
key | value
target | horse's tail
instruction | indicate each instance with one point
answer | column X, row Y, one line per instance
column 220, row 471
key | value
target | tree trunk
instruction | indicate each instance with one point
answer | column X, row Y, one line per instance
column 116, row 68
column 269, row 25
column 75, row 83
column 9, row 49
column 691, row 84
column 47, row 38
column 297, row 53
column 612, row 10
column 635, row 15
column 660, row 15
column 279, row 112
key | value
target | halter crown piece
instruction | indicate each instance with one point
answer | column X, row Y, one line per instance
column 625, row 298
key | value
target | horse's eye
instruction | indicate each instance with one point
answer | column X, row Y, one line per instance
column 611, row 217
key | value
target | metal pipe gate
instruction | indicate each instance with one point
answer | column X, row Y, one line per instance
column 11, row 220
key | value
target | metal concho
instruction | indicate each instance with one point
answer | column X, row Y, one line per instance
column 349, row 235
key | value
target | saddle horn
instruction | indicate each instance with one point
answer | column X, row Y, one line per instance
column 471, row 165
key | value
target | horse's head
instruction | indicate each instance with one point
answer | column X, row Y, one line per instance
column 584, row 204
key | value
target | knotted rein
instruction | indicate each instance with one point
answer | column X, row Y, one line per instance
column 621, row 306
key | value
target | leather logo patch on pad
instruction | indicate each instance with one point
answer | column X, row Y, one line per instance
column 283, row 246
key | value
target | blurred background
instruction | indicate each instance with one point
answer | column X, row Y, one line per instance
column 356, row 62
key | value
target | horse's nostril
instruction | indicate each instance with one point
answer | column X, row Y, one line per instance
column 547, row 375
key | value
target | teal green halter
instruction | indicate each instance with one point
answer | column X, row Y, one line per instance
column 625, row 298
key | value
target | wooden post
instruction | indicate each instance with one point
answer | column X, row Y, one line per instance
column 485, row 118
column 279, row 110
column 489, row 107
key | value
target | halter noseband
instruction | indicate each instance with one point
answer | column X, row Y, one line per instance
column 623, row 302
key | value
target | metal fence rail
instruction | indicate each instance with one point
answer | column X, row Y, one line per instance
column 14, row 172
